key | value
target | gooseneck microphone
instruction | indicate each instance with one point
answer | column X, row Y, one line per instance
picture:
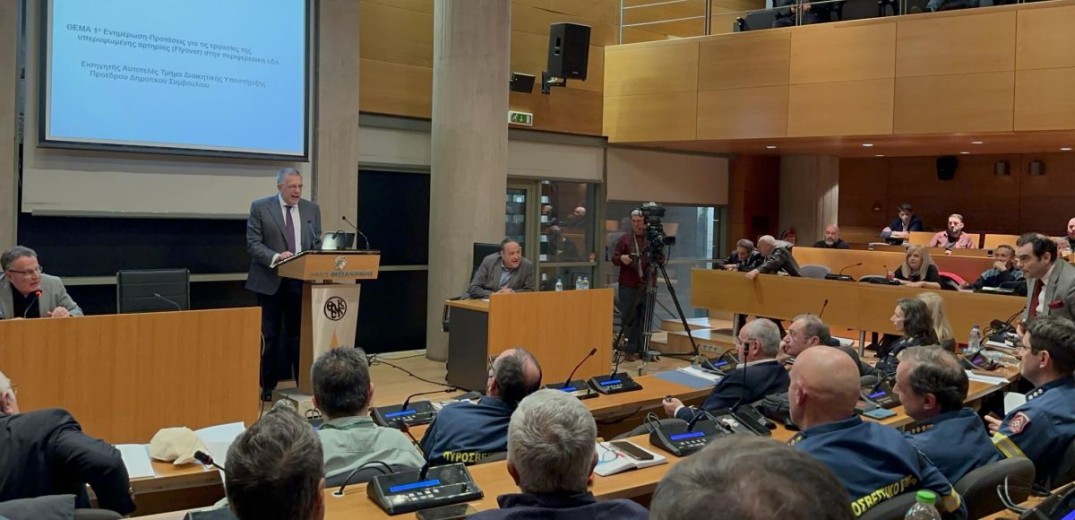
column 407, row 401
column 313, row 233
column 567, row 382
column 698, row 414
column 173, row 302
column 359, row 231
column 384, row 469
column 207, row 459
column 33, row 301
column 823, row 306
column 848, row 267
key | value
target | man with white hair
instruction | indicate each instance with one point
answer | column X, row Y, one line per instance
column 45, row 453
column 552, row 452
column 778, row 258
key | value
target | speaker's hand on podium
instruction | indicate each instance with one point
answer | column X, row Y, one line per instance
column 60, row 312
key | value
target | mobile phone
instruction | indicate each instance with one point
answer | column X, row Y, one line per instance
column 879, row 413
column 629, row 449
column 452, row 512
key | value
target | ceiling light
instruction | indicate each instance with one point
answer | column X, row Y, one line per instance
column 975, row 142
column 1065, row 149
column 771, row 147
column 879, row 155
column 963, row 153
column 867, row 145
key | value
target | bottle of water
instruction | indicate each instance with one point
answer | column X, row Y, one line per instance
column 974, row 341
column 585, row 282
column 924, row 508
column 559, row 285
column 578, row 283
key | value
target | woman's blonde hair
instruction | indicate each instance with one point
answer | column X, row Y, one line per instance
column 927, row 261
column 940, row 320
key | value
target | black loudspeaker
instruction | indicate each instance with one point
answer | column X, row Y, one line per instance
column 1036, row 168
column 1002, row 169
column 569, row 50
column 946, row 167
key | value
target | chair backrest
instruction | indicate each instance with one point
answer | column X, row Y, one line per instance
column 892, row 509
column 979, row 487
column 97, row 514
column 482, row 250
column 150, row 290
column 1064, row 472
column 814, row 271
column 951, row 281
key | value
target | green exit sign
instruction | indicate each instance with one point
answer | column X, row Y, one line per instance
column 520, row 118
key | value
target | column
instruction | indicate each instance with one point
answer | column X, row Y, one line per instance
column 472, row 47
column 9, row 73
column 809, row 194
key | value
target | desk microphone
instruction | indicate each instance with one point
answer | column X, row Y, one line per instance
column 407, row 401
column 823, row 306
column 371, row 464
column 313, row 233
column 359, row 231
column 33, row 301
column 207, row 459
column 698, row 414
column 849, row 267
column 173, row 302
column 567, row 386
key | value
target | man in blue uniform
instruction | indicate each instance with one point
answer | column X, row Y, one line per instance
column 874, row 462
column 468, row 433
column 758, row 375
column 932, row 387
column 1043, row 427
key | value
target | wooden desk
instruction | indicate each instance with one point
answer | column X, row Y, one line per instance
column 558, row 328
column 875, row 262
column 125, row 376
column 858, row 306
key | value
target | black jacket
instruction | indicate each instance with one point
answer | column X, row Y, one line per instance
column 744, row 385
column 45, row 453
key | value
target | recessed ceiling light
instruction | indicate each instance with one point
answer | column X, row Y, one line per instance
column 771, row 146
column 975, row 142
column 867, row 145
column 1065, row 149
column 879, row 155
column 963, row 153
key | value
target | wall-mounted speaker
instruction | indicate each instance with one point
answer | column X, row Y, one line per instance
column 569, row 50
column 946, row 167
column 1002, row 168
column 1036, row 168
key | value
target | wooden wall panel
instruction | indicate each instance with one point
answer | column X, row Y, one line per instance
column 1043, row 99
column 752, row 59
column 842, row 52
column 841, row 108
column 651, row 117
column 864, row 185
column 957, row 44
column 396, row 35
column 665, row 67
column 956, row 103
column 754, row 197
column 1045, row 39
column 743, row 113
column 392, row 88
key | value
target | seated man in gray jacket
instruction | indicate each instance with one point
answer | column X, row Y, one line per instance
column 503, row 272
column 778, row 258
column 26, row 292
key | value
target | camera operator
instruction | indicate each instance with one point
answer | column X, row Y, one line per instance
column 630, row 256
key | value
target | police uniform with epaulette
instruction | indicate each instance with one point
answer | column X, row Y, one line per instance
column 1042, row 428
column 875, row 463
column 956, row 442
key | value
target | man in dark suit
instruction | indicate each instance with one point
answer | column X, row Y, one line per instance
column 279, row 226
column 832, row 239
column 778, row 258
column 45, row 453
column 1050, row 282
column 900, row 228
column 26, row 292
column 759, row 374
column 503, row 272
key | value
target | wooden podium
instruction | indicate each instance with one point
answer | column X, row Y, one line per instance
column 558, row 328
column 329, row 300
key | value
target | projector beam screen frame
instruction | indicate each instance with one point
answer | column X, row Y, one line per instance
column 45, row 106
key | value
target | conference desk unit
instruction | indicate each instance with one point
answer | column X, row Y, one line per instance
column 558, row 328
column 126, row 376
column 858, row 306
column 859, row 263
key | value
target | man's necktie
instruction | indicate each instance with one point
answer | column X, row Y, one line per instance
column 290, row 225
column 1034, row 300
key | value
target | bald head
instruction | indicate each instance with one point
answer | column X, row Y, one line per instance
column 832, row 234
column 515, row 374
column 8, row 404
column 824, row 387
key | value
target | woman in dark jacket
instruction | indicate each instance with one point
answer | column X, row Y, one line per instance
column 913, row 320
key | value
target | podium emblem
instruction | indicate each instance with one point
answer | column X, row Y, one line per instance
column 335, row 308
column 340, row 263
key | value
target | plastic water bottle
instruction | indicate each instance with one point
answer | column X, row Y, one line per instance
column 578, row 283
column 585, row 282
column 559, row 285
column 924, row 508
column 974, row 341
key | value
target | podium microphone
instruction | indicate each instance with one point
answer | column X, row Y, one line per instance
column 33, row 301
column 840, row 275
column 359, row 231
column 313, row 233
column 577, row 388
column 823, row 306
column 173, row 302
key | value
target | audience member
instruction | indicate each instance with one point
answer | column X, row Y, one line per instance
column 1050, row 283
column 470, row 432
column 1004, row 270
column 918, row 269
column 758, row 374
column 932, row 387
column 874, row 462
column 953, row 237
column 45, row 453
column 26, row 292
column 777, row 258
column 276, row 470
column 900, row 229
column 552, row 452
column 630, row 256
column 832, row 239
column 812, row 13
column 503, row 272
column 912, row 319
column 343, row 393
column 946, row 338
column 791, row 236
column 750, row 478
column 1069, row 240
column 1042, row 428
column 744, row 258
column 807, row 331
column 577, row 218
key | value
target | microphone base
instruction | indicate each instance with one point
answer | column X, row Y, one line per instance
column 418, row 412
column 615, row 384
column 840, row 277
column 408, row 491
column 577, row 388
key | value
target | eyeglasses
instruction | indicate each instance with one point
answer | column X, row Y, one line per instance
column 29, row 273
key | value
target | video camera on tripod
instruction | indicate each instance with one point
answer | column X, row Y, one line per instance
column 655, row 238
